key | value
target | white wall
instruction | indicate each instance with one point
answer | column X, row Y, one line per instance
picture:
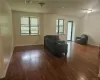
column 91, row 27
column 26, row 40
column 47, row 27
column 6, row 36
column 50, row 25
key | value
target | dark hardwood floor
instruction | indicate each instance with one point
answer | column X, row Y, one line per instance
column 37, row 63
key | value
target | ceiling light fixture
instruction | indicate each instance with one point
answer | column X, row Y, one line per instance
column 41, row 4
column 89, row 11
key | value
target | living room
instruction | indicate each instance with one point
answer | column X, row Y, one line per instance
column 47, row 23
column 23, row 49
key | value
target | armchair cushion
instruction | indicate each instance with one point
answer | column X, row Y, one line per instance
column 82, row 40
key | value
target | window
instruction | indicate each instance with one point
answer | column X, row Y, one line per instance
column 70, row 30
column 60, row 26
column 29, row 26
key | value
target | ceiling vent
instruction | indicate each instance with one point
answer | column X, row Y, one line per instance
column 41, row 4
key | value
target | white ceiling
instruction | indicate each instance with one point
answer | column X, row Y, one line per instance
column 71, row 7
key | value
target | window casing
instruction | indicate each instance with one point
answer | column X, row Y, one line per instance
column 60, row 26
column 29, row 26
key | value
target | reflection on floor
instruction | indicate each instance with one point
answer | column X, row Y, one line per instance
column 37, row 63
column 69, row 49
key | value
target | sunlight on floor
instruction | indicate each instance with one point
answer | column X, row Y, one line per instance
column 69, row 49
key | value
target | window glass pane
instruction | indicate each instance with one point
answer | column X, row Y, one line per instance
column 57, row 26
column 24, row 34
column 25, row 25
column 61, row 22
column 60, row 29
column 56, row 31
column 34, row 32
column 57, row 23
column 69, row 34
column 61, row 33
column 34, row 21
column 24, row 31
column 25, row 20
column 34, row 28
column 24, row 28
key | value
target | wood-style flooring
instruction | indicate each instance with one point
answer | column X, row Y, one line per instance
column 37, row 63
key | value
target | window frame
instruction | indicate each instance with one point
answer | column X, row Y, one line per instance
column 59, row 33
column 71, row 30
column 29, row 25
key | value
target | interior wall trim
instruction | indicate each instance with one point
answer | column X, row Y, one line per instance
column 5, row 71
column 93, row 45
column 27, row 45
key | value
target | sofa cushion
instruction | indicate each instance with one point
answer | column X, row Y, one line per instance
column 54, row 37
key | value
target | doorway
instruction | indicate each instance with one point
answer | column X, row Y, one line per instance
column 70, row 31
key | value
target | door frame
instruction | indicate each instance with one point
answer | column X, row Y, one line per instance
column 71, row 31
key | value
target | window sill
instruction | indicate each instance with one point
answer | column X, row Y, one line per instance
column 29, row 35
column 61, row 34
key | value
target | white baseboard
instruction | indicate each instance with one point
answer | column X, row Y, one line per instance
column 99, row 75
column 4, row 74
column 28, row 45
column 94, row 45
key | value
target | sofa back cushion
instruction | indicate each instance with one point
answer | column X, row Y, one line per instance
column 54, row 37
column 84, row 36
